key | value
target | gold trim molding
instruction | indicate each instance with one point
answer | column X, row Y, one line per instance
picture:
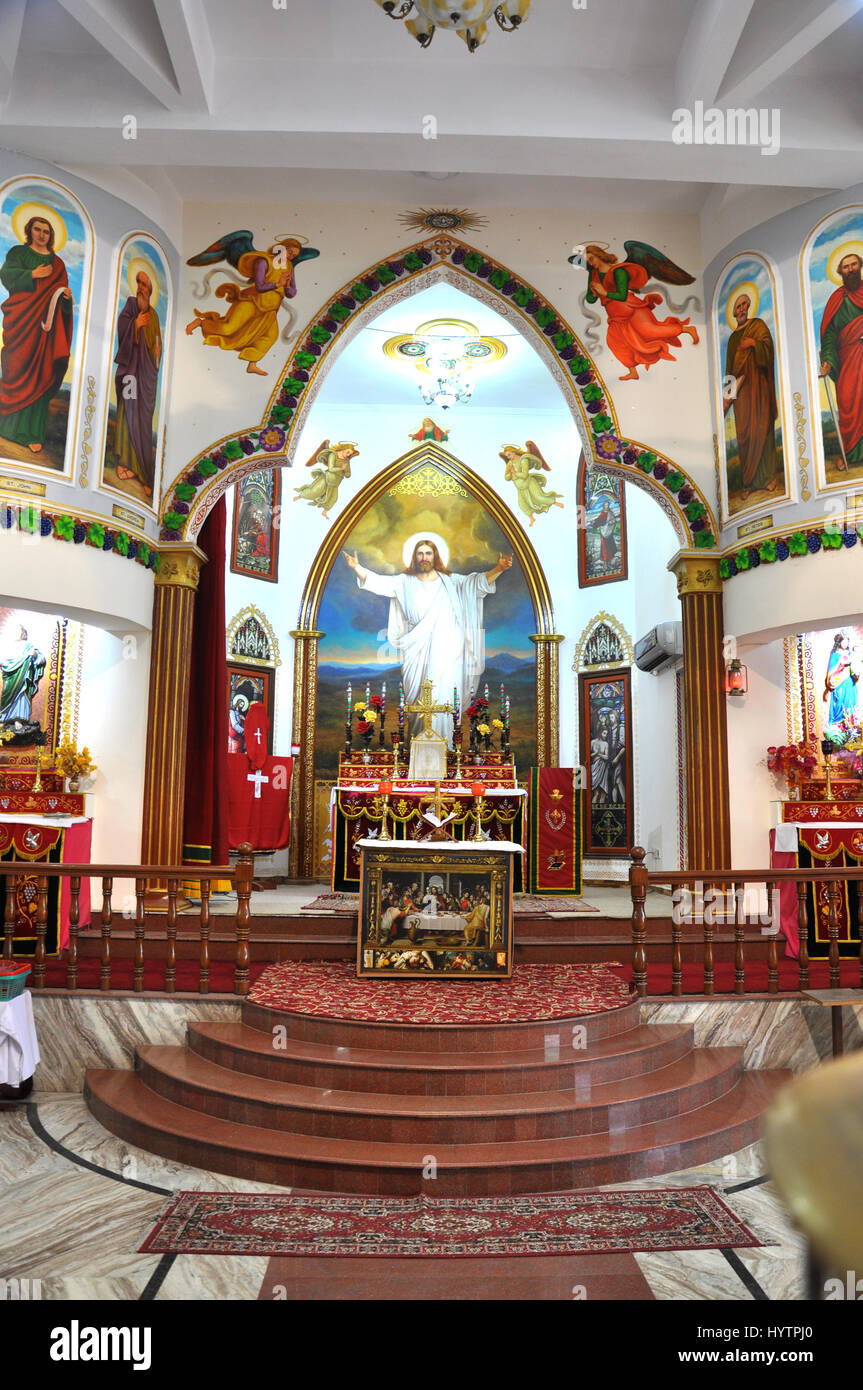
column 696, row 573
column 180, row 565
column 252, row 611
column 618, row 629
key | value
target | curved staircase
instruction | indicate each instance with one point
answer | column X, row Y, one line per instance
column 342, row 1106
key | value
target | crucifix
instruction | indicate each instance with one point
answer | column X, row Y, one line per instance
column 257, row 777
column 437, row 801
column 426, row 707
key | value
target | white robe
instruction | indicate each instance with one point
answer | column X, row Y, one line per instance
column 438, row 628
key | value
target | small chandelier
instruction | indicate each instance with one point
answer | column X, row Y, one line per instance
column 445, row 351
column 469, row 18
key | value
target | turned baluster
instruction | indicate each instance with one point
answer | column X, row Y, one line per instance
column 833, row 930
column 638, row 892
column 140, row 924
column 74, row 919
column 9, row 915
column 708, row 919
column 41, row 929
column 107, row 921
column 171, row 942
column 739, row 940
column 676, row 947
column 772, row 960
column 243, row 879
column 803, row 934
column 204, row 974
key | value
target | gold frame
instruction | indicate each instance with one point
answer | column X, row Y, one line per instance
column 493, row 868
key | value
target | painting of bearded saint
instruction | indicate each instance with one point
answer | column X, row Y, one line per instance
column 131, row 446
column 833, row 259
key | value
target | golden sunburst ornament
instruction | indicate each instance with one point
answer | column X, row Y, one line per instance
column 442, row 220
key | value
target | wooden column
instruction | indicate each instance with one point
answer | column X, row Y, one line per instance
column 547, row 694
column 305, row 705
column 699, row 587
column 170, row 660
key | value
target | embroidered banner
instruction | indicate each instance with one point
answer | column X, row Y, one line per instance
column 259, row 802
column 555, row 832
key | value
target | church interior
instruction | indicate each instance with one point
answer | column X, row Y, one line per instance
column 431, row 730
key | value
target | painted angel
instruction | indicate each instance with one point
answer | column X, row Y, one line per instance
column 525, row 468
column 249, row 326
column 335, row 462
column 634, row 334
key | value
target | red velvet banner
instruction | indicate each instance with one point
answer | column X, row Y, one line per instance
column 205, row 822
column 555, row 832
column 259, row 802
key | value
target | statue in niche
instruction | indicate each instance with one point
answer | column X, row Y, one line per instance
column 22, row 667
column 525, row 467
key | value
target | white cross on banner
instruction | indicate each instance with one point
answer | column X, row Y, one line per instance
column 257, row 777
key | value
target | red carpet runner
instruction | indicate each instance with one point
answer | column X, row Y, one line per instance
column 578, row 1223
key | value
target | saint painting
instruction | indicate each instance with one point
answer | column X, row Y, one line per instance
column 747, row 361
column 835, row 291
column 525, row 468
column 841, row 687
column 45, row 271
column 255, row 544
column 606, row 739
column 636, row 336
column 602, row 555
column 435, row 621
column 135, row 407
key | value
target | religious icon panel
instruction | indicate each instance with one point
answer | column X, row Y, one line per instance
column 602, row 556
column 139, row 369
column 606, row 753
column 832, row 263
column 45, row 264
column 435, row 910
column 248, row 685
column 749, row 385
column 255, row 537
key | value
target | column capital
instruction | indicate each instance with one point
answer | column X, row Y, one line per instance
column 180, row 565
column 545, row 637
column 304, row 634
column 696, row 572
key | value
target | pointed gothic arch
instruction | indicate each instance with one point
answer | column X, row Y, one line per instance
column 307, row 634
column 441, row 258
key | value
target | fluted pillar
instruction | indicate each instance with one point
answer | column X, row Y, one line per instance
column 170, row 660
column 547, row 692
column 699, row 587
column 305, row 705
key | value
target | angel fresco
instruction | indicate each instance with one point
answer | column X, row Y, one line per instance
column 525, row 467
column 323, row 490
column 634, row 334
column 249, row 326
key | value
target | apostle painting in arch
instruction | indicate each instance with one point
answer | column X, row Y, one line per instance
column 634, row 334
column 750, row 393
column 842, row 357
column 841, row 685
column 435, row 621
column 37, row 333
column 138, row 357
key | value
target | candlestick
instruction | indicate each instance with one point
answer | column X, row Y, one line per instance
column 350, row 700
column 477, row 790
column 368, row 692
column 384, row 789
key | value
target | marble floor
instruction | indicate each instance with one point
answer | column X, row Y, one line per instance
column 77, row 1202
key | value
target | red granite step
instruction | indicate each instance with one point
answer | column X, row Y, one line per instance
column 129, row 1109
column 237, row 1047
column 189, row 1080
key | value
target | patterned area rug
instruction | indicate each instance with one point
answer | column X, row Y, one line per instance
column 523, row 904
column 331, row 990
column 578, row 1223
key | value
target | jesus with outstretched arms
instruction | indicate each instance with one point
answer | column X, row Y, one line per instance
column 436, row 623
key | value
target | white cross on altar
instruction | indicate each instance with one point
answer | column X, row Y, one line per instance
column 258, row 737
column 257, row 777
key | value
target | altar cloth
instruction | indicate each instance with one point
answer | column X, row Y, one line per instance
column 19, row 1049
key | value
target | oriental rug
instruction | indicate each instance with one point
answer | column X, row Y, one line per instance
column 577, row 1223
column 523, row 904
column 330, row 989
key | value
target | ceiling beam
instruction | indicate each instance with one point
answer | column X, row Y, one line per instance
column 11, row 20
column 780, row 35
column 707, row 49
column 190, row 45
column 132, row 35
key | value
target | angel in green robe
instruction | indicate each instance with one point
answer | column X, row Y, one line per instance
column 525, row 467
column 323, row 490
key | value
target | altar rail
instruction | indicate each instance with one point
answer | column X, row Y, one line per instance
column 733, row 884
column 164, row 881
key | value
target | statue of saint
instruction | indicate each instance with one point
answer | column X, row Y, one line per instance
column 21, row 670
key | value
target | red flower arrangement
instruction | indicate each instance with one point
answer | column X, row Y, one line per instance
column 376, row 702
column 793, row 761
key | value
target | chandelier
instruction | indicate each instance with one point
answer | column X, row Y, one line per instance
column 445, row 351
column 469, row 19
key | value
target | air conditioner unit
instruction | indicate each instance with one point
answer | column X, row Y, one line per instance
column 661, row 649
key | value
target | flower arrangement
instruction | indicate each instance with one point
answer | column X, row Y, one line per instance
column 73, row 764
column 793, row 761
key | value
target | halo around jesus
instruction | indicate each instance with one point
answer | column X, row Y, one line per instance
column 408, row 547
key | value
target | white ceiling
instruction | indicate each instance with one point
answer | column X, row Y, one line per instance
column 325, row 101
column 363, row 375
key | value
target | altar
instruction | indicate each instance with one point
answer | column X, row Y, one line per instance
column 814, row 832
column 436, row 907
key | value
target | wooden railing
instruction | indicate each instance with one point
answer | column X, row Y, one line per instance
column 726, row 890
column 165, row 881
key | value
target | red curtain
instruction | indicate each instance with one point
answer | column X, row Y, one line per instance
column 205, row 826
